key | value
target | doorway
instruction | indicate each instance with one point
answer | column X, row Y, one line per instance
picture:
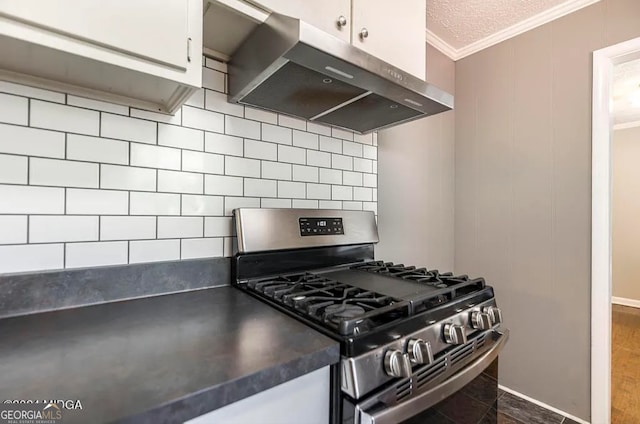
column 604, row 61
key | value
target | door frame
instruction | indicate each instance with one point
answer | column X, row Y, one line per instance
column 601, row 224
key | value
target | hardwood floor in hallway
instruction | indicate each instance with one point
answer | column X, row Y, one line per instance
column 625, row 367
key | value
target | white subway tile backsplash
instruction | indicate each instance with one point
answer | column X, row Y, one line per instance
column 370, row 206
column 31, row 141
column 208, row 163
column 14, row 109
column 31, row 257
column 97, row 105
column 167, row 184
column 32, row 92
column 31, row 200
column 131, row 129
column 154, row 251
column 127, row 178
column 291, row 190
column 181, row 137
column 48, row 229
column 261, row 115
column 370, row 152
column 305, row 173
column 224, row 144
column 95, row 149
column 65, row 173
column 218, row 226
column 330, row 176
column 180, row 226
column 329, row 144
column 180, row 182
column 53, row 116
column 292, row 154
column 354, row 206
column 319, row 191
column 217, row 102
column 13, row 169
column 341, row 193
column 318, row 128
column 276, row 134
column 202, row 205
column 305, row 204
column 276, row 170
column 175, row 119
column 81, row 255
column 127, row 227
column 260, row 188
column 155, row 156
column 202, row 119
column 202, row 248
column 97, row 202
column 260, row 150
column 375, row 139
column 342, row 162
column 223, row 185
column 350, row 148
column 370, row 180
column 241, row 127
column 275, row 203
column 340, row 133
column 291, row 122
column 13, row 229
column 363, row 165
column 231, row 203
column 305, row 139
column 144, row 203
column 213, row 80
column 242, row 167
column 215, row 64
column 363, row 193
column 352, row 178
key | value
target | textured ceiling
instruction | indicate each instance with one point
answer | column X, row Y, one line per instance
column 626, row 92
column 463, row 22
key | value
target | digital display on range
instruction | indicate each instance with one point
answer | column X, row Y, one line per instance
column 321, row 226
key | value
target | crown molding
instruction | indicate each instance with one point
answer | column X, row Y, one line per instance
column 535, row 21
column 626, row 125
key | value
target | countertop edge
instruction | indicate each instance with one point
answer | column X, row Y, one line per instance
column 218, row 396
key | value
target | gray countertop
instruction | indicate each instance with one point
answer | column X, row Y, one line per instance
column 162, row 359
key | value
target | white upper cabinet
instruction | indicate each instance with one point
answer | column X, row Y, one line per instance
column 392, row 31
column 332, row 16
column 144, row 53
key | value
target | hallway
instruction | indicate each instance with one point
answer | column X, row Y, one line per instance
column 625, row 358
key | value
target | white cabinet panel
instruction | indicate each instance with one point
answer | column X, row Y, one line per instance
column 396, row 32
column 301, row 400
column 322, row 14
column 153, row 29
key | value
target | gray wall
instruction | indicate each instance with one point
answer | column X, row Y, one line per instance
column 626, row 213
column 523, row 193
column 416, row 182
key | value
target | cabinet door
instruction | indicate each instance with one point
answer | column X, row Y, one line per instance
column 322, row 14
column 156, row 30
column 396, row 32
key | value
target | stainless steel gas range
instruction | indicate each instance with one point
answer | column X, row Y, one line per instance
column 411, row 338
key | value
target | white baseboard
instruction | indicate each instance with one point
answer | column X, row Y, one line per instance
column 625, row 302
column 542, row 404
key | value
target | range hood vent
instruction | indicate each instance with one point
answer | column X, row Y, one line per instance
column 291, row 67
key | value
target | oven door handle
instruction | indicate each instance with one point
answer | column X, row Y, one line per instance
column 410, row 407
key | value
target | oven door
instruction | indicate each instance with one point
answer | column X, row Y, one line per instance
column 431, row 384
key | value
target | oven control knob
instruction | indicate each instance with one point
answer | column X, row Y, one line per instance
column 454, row 334
column 494, row 313
column 481, row 320
column 397, row 364
column 420, row 351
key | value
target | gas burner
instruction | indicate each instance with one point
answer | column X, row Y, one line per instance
column 338, row 312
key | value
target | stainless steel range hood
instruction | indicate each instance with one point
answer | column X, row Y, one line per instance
column 291, row 67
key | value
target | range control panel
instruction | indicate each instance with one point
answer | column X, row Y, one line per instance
column 321, row 226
